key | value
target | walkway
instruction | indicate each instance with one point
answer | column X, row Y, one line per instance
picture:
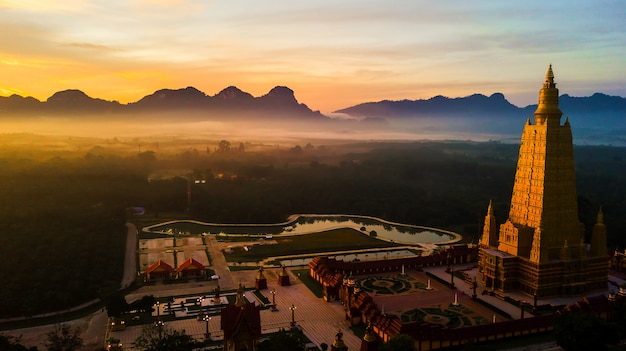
column 219, row 264
column 515, row 312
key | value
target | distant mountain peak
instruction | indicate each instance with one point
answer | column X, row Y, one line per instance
column 233, row 93
column 188, row 92
column 69, row 95
column 282, row 93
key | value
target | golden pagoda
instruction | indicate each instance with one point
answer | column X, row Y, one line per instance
column 541, row 250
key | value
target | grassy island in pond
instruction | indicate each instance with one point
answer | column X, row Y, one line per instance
column 332, row 240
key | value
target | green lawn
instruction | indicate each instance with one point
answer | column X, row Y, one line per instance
column 315, row 287
column 332, row 240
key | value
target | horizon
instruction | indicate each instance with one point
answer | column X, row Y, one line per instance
column 329, row 113
column 332, row 55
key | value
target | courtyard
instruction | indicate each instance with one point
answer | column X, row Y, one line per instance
column 416, row 297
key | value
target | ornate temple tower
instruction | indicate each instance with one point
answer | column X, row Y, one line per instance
column 540, row 248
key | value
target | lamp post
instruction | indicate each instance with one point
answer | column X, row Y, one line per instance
column 158, row 310
column 207, row 335
column 474, row 285
column 293, row 315
column 273, row 299
column 201, row 314
column 451, row 278
column 159, row 324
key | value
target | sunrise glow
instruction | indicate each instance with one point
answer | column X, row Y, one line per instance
column 332, row 54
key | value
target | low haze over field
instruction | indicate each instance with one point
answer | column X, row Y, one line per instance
column 333, row 54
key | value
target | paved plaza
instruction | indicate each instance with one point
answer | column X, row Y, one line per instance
column 319, row 320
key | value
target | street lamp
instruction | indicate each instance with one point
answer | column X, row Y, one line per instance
column 293, row 314
column 451, row 271
column 206, row 319
column 158, row 310
column 159, row 324
column 273, row 299
column 201, row 314
column 474, row 286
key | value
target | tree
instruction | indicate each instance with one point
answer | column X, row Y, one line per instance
column 296, row 149
column 11, row 343
column 116, row 304
column 63, row 338
column 159, row 338
column 223, row 146
column 284, row 340
column 584, row 331
column 144, row 304
column 399, row 342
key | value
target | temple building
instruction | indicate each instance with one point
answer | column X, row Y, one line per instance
column 540, row 250
column 241, row 324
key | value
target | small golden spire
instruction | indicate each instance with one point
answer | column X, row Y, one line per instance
column 549, row 78
column 338, row 343
column 548, row 107
column 369, row 335
column 600, row 219
column 490, row 208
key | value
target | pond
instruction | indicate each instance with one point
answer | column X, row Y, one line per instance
column 308, row 224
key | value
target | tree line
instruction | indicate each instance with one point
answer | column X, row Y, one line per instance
column 63, row 218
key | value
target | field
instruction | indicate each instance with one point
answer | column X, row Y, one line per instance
column 333, row 240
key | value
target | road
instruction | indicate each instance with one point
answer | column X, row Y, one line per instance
column 130, row 260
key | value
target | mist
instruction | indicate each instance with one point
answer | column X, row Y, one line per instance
column 282, row 130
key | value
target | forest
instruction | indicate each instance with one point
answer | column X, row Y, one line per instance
column 64, row 203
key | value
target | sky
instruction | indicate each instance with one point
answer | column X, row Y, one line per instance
column 333, row 54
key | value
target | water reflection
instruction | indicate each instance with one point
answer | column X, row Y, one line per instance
column 307, row 224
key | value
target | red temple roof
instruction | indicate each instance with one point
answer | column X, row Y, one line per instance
column 159, row 266
column 234, row 318
column 190, row 264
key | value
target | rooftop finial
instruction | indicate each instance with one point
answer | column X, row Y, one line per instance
column 600, row 216
column 490, row 208
column 548, row 107
column 549, row 78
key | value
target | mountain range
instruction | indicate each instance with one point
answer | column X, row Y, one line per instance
column 280, row 101
column 494, row 106
column 596, row 116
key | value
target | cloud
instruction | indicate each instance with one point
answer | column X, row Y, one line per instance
column 89, row 46
column 45, row 5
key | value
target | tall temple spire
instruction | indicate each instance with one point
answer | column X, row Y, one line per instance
column 540, row 249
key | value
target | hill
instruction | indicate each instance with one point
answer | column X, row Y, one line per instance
column 279, row 102
column 593, row 117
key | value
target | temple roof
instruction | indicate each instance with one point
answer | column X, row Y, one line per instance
column 190, row 264
column 159, row 266
column 234, row 318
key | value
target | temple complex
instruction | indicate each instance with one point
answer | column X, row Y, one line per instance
column 540, row 250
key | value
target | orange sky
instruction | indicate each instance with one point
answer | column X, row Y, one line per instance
column 332, row 54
